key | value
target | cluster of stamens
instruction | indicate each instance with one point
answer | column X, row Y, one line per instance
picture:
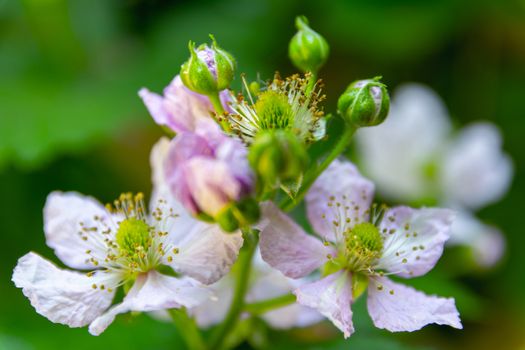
column 290, row 104
column 135, row 245
column 358, row 241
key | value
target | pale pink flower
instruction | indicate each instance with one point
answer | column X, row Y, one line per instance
column 358, row 246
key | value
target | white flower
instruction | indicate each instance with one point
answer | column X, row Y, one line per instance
column 123, row 246
column 414, row 157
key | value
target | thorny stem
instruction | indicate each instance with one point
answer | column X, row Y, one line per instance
column 221, row 113
column 187, row 329
column 310, row 177
column 260, row 307
column 244, row 263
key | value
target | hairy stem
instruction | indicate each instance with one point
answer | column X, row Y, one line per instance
column 244, row 265
column 310, row 177
column 187, row 329
column 260, row 307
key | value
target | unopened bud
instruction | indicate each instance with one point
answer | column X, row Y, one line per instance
column 278, row 156
column 208, row 70
column 364, row 103
column 308, row 50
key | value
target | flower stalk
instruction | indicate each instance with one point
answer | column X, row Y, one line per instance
column 310, row 177
column 187, row 329
column 243, row 272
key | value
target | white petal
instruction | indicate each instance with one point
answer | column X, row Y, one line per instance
column 205, row 252
column 62, row 296
column 151, row 292
column 213, row 311
column 395, row 153
column 487, row 242
column 397, row 308
column 269, row 283
column 475, row 171
column 332, row 297
column 338, row 199
column 286, row 247
column 413, row 239
column 74, row 226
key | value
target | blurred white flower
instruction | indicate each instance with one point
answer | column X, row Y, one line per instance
column 266, row 283
column 413, row 156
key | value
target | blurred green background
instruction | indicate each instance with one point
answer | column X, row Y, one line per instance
column 70, row 119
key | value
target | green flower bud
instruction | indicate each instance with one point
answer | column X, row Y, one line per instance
column 364, row 103
column 208, row 70
column 277, row 156
column 308, row 50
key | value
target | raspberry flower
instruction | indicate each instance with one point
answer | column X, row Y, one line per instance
column 123, row 245
column 412, row 157
column 360, row 246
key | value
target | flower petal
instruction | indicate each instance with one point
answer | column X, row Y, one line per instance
column 179, row 109
column 151, row 292
column 62, row 296
column 413, row 239
column 205, row 252
column 286, row 247
column 395, row 153
column 475, row 171
column 339, row 198
column 215, row 309
column 487, row 242
column 270, row 283
column 398, row 308
column 74, row 226
column 212, row 184
column 332, row 297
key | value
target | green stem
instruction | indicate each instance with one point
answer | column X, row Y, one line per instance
column 187, row 329
column 261, row 307
column 221, row 113
column 244, row 264
column 310, row 177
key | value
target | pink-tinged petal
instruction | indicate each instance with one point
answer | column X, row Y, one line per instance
column 475, row 171
column 212, row 184
column 155, row 105
column 162, row 197
column 179, row 109
column 62, row 296
column 152, row 292
column 205, row 252
column 413, row 239
column 75, row 227
column 397, row 308
column 339, row 198
column 332, row 297
column 286, row 247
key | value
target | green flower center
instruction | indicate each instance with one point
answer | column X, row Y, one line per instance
column 133, row 238
column 274, row 111
column 363, row 245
